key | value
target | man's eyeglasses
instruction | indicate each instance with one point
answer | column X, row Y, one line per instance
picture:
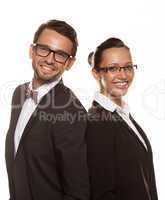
column 44, row 51
column 115, row 69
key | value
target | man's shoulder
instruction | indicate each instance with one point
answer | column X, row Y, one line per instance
column 20, row 89
column 66, row 98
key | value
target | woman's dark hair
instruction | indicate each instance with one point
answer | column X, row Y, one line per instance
column 60, row 27
column 94, row 58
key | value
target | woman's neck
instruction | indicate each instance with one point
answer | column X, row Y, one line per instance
column 116, row 100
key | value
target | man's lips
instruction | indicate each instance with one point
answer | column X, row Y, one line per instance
column 47, row 69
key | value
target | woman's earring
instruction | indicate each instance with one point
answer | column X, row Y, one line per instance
column 101, row 85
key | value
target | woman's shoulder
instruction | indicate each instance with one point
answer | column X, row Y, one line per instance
column 101, row 125
column 97, row 113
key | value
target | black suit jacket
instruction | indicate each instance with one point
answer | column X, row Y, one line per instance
column 50, row 163
column 120, row 167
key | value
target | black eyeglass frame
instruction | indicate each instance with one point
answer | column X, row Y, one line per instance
column 109, row 69
column 36, row 45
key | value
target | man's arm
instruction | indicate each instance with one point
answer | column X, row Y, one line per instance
column 101, row 160
column 72, row 159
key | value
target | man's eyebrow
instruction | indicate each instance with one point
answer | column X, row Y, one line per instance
column 44, row 45
column 61, row 51
column 57, row 50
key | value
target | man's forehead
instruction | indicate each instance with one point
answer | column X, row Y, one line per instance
column 55, row 40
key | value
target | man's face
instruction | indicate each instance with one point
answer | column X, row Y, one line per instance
column 50, row 56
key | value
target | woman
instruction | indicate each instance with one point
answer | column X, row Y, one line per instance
column 119, row 153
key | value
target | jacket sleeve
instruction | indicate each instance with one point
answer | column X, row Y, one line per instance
column 8, row 143
column 71, row 154
column 101, row 160
column 154, row 193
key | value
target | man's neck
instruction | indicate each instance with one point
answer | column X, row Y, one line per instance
column 36, row 83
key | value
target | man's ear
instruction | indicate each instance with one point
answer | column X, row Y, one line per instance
column 70, row 63
column 31, row 51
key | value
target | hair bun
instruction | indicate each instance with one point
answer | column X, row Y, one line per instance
column 90, row 58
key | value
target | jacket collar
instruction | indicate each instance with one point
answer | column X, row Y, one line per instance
column 109, row 105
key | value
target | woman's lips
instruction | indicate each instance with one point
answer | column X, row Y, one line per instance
column 121, row 84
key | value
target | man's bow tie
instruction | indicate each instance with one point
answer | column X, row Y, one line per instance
column 31, row 94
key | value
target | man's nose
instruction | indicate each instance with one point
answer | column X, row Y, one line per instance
column 50, row 58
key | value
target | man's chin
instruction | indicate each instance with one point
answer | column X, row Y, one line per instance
column 50, row 78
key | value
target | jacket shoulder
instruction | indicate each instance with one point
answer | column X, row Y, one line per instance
column 18, row 90
column 99, row 114
column 65, row 97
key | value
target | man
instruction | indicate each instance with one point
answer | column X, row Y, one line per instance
column 45, row 149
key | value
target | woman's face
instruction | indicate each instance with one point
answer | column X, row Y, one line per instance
column 116, row 81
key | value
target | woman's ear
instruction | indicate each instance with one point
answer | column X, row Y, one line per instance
column 96, row 74
column 99, row 78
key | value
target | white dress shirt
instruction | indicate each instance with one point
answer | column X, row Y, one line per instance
column 28, row 108
column 123, row 111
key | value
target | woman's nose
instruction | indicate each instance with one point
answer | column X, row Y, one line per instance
column 121, row 73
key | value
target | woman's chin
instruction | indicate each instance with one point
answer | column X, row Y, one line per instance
column 117, row 93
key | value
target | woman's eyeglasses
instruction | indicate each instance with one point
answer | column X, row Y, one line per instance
column 116, row 69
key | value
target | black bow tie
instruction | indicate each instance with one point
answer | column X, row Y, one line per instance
column 31, row 94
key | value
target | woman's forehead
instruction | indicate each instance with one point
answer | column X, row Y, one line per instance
column 116, row 55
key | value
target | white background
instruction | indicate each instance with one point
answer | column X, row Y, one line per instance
column 138, row 23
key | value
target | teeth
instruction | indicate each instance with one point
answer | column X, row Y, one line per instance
column 123, row 83
column 47, row 68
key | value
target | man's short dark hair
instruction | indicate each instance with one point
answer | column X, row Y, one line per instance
column 60, row 27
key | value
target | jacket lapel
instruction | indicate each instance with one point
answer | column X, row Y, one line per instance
column 119, row 119
column 17, row 103
column 133, row 133
column 142, row 134
column 43, row 105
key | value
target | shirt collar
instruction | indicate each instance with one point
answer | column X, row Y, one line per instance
column 45, row 88
column 109, row 105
